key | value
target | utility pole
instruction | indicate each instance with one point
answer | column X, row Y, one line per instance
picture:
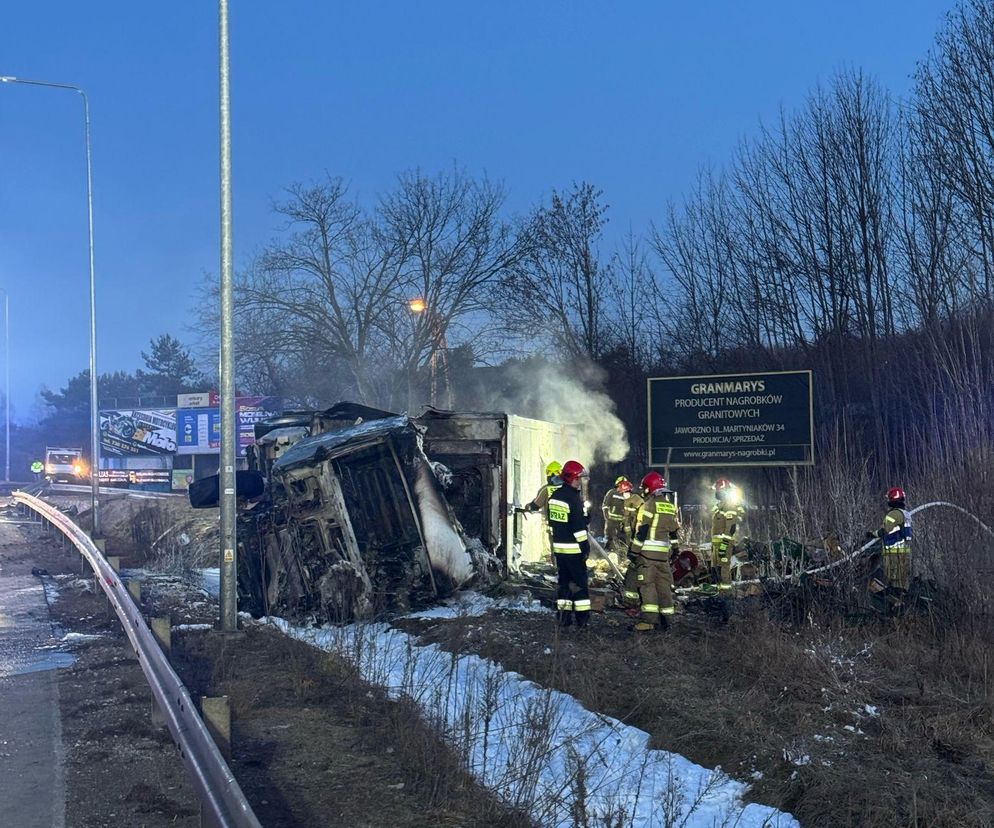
column 94, row 410
column 229, row 541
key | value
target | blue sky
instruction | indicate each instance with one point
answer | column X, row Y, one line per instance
column 633, row 96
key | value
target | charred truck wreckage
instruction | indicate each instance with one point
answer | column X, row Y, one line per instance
column 355, row 512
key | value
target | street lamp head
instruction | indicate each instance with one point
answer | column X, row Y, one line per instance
column 417, row 305
column 7, row 79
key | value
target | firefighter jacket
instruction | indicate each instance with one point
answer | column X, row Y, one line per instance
column 896, row 531
column 657, row 524
column 724, row 521
column 613, row 506
column 540, row 500
column 568, row 522
column 632, row 506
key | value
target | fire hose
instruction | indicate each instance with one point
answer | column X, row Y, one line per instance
column 855, row 554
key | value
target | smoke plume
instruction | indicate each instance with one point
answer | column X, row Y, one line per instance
column 564, row 393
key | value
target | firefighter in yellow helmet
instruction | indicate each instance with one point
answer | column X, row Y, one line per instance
column 655, row 541
column 616, row 518
column 539, row 503
column 726, row 515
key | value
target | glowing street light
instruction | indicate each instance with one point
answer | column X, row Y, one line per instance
column 439, row 348
column 94, row 410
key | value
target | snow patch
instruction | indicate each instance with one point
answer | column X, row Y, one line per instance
column 539, row 749
column 210, row 581
column 79, row 638
column 473, row 604
column 184, row 627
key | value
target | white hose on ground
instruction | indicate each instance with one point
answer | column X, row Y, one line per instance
column 853, row 555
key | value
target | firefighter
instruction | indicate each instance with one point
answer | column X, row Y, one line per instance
column 896, row 536
column 726, row 515
column 615, row 511
column 655, row 543
column 538, row 503
column 570, row 546
column 630, row 591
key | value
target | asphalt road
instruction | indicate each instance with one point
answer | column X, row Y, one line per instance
column 32, row 776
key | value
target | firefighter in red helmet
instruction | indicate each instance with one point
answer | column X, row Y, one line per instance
column 726, row 515
column 657, row 527
column 895, row 533
column 568, row 521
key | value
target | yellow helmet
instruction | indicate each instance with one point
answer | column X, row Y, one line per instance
column 553, row 469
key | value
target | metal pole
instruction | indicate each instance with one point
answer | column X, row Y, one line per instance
column 94, row 412
column 229, row 594
column 94, row 409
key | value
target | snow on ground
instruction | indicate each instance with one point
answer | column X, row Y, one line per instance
column 536, row 748
column 210, row 581
column 472, row 605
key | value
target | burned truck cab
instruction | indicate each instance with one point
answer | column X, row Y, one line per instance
column 369, row 513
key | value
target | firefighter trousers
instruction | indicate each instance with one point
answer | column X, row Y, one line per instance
column 897, row 567
column 655, row 580
column 721, row 566
column 630, row 591
column 573, row 598
column 617, row 538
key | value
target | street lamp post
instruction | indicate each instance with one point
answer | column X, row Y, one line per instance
column 439, row 349
column 94, row 412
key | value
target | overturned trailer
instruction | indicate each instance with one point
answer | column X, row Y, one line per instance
column 367, row 512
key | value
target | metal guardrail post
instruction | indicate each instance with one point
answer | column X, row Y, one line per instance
column 223, row 803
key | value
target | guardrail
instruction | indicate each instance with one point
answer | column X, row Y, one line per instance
column 221, row 798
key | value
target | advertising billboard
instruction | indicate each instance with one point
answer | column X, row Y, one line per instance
column 198, row 430
column 732, row 420
column 249, row 411
column 134, row 477
column 137, row 432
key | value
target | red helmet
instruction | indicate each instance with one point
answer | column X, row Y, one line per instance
column 572, row 469
column 624, row 485
column 722, row 483
column 653, row 482
column 897, row 493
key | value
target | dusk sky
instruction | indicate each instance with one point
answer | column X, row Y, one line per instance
column 634, row 97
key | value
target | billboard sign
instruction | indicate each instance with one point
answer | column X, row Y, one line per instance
column 134, row 477
column 137, row 432
column 198, row 431
column 249, row 411
column 203, row 399
column 732, row 420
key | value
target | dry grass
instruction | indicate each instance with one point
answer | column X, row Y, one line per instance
column 890, row 723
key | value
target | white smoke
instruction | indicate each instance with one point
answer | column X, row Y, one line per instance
column 565, row 394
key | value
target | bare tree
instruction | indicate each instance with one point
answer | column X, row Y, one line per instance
column 453, row 247
column 557, row 290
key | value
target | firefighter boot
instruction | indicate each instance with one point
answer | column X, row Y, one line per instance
column 565, row 618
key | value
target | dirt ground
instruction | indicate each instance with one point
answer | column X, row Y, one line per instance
column 312, row 745
column 881, row 725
